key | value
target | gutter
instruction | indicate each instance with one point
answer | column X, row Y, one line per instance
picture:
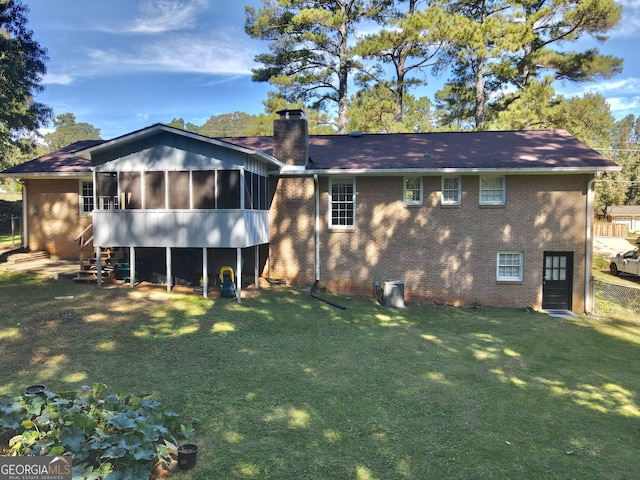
column 46, row 175
column 588, row 301
column 25, row 214
column 301, row 171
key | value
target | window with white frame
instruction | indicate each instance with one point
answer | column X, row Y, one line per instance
column 342, row 203
column 510, row 267
column 413, row 191
column 492, row 190
column 86, row 197
column 451, row 190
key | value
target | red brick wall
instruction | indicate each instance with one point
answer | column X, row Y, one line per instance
column 291, row 140
column 54, row 217
column 292, row 217
column 445, row 254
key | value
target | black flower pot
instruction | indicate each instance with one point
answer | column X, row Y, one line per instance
column 187, row 455
column 37, row 389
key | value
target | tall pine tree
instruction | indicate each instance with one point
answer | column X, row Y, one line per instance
column 310, row 43
column 505, row 46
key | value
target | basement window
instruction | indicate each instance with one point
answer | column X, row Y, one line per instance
column 510, row 267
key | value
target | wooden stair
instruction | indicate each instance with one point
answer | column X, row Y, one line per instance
column 90, row 275
column 108, row 258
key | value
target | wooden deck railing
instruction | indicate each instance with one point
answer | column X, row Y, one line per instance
column 84, row 238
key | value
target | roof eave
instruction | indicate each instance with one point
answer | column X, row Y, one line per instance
column 449, row 171
column 46, row 175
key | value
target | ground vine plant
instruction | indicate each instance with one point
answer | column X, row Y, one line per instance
column 109, row 436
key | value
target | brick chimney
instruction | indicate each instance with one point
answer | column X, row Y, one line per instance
column 291, row 137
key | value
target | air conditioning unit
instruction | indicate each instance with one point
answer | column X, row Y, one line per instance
column 393, row 293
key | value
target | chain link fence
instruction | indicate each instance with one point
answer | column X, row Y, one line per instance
column 609, row 295
column 11, row 227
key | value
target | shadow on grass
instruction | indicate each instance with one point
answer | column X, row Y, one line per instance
column 288, row 387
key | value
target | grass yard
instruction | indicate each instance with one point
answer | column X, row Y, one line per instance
column 9, row 204
column 288, row 387
column 7, row 241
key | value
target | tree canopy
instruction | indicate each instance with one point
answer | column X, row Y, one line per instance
column 68, row 131
column 499, row 53
column 502, row 47
column 410, row 42
column 311, row 52
column 22, row 66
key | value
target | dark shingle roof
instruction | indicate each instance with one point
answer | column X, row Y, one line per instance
column 59, row 162
column 530, row 149
column 472, row 151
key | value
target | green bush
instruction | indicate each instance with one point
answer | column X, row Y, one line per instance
column 119, row 437
column 601, row 262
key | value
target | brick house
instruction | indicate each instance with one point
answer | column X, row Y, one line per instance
column 496, row 218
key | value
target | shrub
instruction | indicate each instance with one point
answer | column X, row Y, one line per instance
column 121, row 437
column 601, row 262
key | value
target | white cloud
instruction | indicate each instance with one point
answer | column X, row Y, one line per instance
column 41, row 133
column 160, row 16
column 168, row 15
column 623, row 95
column 214, row 55
column 629, row 24
column 622, row 105
column 57, row 79
column 623, row 86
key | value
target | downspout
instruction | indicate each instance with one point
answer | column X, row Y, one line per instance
column 25, row 216
column 316, row 185
column 589, row 246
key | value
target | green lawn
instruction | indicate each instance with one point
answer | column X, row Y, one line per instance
column 7, row 241
column 9, row 203
column 288, row 387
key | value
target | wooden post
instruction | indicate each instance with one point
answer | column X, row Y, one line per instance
column 257, row 267
column 99, row 264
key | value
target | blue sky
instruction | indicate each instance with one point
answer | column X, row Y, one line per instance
column 122, row 65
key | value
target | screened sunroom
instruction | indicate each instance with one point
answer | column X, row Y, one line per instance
column 164, row 188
